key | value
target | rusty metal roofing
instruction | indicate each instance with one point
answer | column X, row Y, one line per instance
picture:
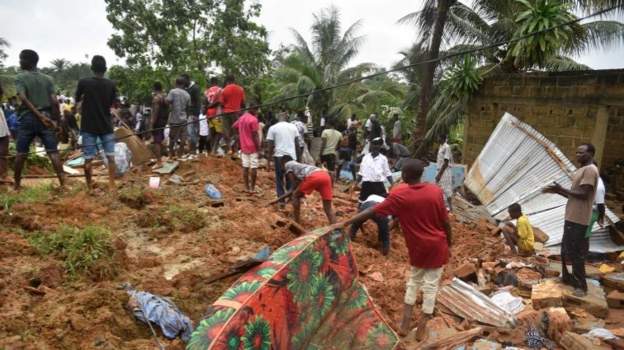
column 467, row 302
column 513, row 166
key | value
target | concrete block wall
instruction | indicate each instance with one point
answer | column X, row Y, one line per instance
column 569, row 108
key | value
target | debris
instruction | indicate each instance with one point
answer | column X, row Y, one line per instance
column 508, row 302
column 466, row 271
column 176, row 179
column 535, row 339
column 553, row 269
column 506, row 278
column 604, row 268
column 573, row 341
column 123, row 158
column 556, row 322
column 468, row 303
column 600, row 333
column 539, row 235
column 148, row 307
column 614, row 280
column 484, row 344
column 595, row 302
column 154, row 182
column 167, row 168
column 546, row 294
column 458, row 338
column 242, row 266
column 527, row 278
column 211, row 191
column 70, row 170
column 615, row 299
column 376, row 276
column 584, row 321
column 140, row 153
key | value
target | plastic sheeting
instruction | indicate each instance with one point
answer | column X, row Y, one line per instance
column 306, row 296
column 513, row 166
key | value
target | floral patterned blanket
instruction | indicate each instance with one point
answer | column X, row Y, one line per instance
column 306, row 296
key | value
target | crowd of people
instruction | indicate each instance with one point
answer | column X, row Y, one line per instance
column 186, row 122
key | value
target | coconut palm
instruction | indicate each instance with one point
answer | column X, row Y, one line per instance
column 3, row 54
column 490, row 22
column 60, row 64
column 321, row 63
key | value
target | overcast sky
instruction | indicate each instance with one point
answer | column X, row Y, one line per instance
column 72, row 29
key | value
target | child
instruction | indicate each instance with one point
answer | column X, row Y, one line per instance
column 520, row 238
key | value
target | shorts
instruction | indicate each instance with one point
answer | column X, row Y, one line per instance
column 91, row 143
column 30, row 127
column 250, row 160
column 368, row 188
column 217, row 124
column 330, row 161
column 228, row 120
column 158, row 136
column 319, row 181
column 177, row 132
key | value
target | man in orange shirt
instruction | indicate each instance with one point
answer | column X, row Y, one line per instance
column 233, row 100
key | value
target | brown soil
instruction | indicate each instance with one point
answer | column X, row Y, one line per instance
column 42, row 308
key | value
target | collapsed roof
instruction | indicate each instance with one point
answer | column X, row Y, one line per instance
column 513, row 167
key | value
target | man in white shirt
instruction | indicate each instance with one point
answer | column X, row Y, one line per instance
column 383, row 227
column 282, row 140
column 444, row 178
column 374, row 170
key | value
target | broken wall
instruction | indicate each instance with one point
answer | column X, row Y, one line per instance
column 569, row 108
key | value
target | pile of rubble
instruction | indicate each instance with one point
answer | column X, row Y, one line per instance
column 491, row 299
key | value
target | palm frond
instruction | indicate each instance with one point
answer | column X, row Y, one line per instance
column 602, row 35
column 562, row 64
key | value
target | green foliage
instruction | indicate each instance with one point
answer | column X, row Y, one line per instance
column 80, row 249
column 3, row 55
column 190, row 36
column 66, row 74
column 539, row 16
column 31, row 194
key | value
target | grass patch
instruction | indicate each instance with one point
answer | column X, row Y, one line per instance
column 136, row 197
column 174, row 217
column 84, row 251
column 32, row 194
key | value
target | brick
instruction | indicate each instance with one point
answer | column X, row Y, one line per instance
column 614, row 280
column 572, row 341
column 465, row 271
column 558, row 323
column 615, row 299
column 546, row 294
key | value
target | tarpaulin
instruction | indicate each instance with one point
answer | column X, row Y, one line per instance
column 306, row 296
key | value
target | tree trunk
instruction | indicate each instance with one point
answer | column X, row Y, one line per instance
column 427, row 84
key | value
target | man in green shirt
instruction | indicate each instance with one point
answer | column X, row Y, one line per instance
column 37, row 111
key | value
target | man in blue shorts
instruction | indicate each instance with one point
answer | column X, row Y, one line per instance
column 97, row 95
column 37, row 113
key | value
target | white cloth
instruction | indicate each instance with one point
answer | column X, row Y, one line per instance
column 302, row 130
column 375, row 198
column 350, row 122
column 374, row 169
column 369, row 125
column 203, row 125
column 260, row 131
column 284, row 135
column 600, row 192
column 446, row 181
column 4, row 127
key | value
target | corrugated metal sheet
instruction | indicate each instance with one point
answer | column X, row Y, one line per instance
column 468, row 303
column 515, row 164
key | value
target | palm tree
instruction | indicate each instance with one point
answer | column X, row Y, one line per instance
column 60, row 64
column 489, row 22
column 321, row 63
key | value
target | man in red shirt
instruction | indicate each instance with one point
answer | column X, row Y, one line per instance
column 419, row 207
column 233, row 100
column 247, row 126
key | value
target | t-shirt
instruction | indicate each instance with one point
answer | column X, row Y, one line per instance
column 37, row 87
column 195, row 92
column 525, row 234
column 400, row 151
column 333, row 138
column 579, row 210
column 179, row 101
column 374, row 169
column 213, row 94
column 446, row 181
column 233, row 97
column 247, row 126
column 203, row 125
column 160, row 106
column 422, row 213
column 283, row 135
column 299, row 170
column 97, row 96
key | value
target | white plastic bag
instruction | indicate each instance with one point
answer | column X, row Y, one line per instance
column 123, row 158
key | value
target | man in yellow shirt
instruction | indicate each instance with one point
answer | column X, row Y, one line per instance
column 520, row 237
